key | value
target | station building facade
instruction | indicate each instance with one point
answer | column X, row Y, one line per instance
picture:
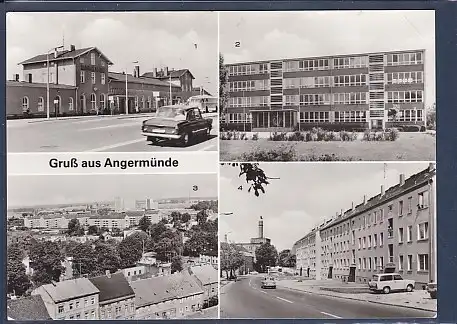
column 358, row 91
column 394, row 231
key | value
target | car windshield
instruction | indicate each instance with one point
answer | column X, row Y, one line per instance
column 170, row 112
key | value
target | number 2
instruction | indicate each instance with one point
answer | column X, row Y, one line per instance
column 237, row 44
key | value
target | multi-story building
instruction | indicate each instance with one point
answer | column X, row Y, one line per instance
column 358, row 91
column 70, row 299
column 394, row 231
column 167, row 297
column 116, row 298
column 308, row 261
column 182, row 78
column 209, row 258
column 47, row 221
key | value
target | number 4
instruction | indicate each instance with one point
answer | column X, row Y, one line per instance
column 240, row 188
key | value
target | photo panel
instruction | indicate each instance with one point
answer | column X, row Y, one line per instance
column 328, row 241
column 328, row 85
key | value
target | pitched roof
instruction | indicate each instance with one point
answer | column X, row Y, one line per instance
column 117, row 76
column 159, row 289
column 27, row 308
column 24, row 84
column 206, row 273
column 174, row 74
column 70, row 289
column 113, row 287
column 64, row 55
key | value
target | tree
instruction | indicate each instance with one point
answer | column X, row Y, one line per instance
column 231, row 259
column 130, row 249
column 46, row 260
column 431, row 117
column 85, row 259
column 93, row 230
column 286, row 259
column 17, row 281
column 168, row 245
column 266, row 256
column 254, row 175
column 202, row 217
column 176, row 264
column 176, row 216
column 185, row 217
column 156, row 230
column 144, row 224
column 107, row 257
column 223, row 81
column 74, row 228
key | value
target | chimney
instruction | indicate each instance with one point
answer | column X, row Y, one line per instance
column 341, row 213
column 29, row 78
column 352, row 208
column 382, row 190
column 260, row 227
column 16, row 77
column 165, row 72
column 108, row 273
column 154, row 72
column 364, row 199
column 72, row 48
column 56, row 53
column 402, row 179
column 136, row 72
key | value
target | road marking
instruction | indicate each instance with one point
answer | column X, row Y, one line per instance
column 207, row 147
column 331, row 315
column 263, row 292
column 249, row 283
column 286, row 300
column 108, row 147
column 110, row 126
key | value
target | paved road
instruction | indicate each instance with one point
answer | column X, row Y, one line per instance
column 91, row 134
column 245, row 299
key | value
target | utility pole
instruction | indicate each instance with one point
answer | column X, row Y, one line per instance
column 126, row 94
column 47, row 82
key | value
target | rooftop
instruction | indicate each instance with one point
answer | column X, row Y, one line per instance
column 63, row 55
column 117, row 76
column 25, row 84
column 112, row 287
column 70, row 289
column 27, row 308
column 173, row 73
column 206, row 273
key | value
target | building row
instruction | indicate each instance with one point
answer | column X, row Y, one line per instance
column 394, row 231
column 114, row 297
column 80, row 83
column 357, row 91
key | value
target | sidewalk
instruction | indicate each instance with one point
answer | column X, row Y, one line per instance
column 209, row 313
column 418, row 299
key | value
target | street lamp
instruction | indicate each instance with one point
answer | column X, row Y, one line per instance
column 47, row 82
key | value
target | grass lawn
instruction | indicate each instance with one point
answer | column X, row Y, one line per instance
column 408, row 147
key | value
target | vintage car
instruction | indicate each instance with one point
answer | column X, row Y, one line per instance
column 387, row 282
column 178, row 122
column 268, row 282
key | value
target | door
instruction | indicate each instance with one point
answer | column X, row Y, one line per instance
column 399, row 283
column 376, row 124
column 307, row 272
column 351, row 277
column 301, row 272
column 330, row 272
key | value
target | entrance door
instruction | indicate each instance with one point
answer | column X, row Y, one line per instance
column 351, row 277
column 301, row 272
column 82, row 103
column 330, row 272
column 376, row 124
column 307, row 272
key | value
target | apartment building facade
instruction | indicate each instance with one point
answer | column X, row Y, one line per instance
column 358, row 91
column 394, row 231
column 307, row 252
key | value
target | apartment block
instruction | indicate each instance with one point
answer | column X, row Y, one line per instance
column 358, row 91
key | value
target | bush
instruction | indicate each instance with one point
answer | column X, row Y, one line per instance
column 278, row 136
column 392, row 134
column 281, row 153
column 412, row 128
column 243, row 136
column 297, row 137
column 255, row 136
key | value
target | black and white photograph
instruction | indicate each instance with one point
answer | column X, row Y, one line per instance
column 112, row 247
column 327, row 86
column 328, row 240
column 112, row 81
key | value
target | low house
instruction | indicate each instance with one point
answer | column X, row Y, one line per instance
column 208, row 279
column 31, row 308
column 166, row 297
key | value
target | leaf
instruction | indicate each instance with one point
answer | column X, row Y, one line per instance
column 256, row 192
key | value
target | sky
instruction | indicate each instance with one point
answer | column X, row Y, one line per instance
column 154, row 39
column 276, row 35
column 48, row 189
column 305, row 195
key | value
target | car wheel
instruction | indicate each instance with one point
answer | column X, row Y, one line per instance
column 186, row 139
column 151, row 139
column 386, row 290
column 409, row 288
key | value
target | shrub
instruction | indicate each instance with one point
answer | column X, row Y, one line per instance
column 243, row 136
column 392, row 134
column 411, row 128
column 255, row 136
column 281, row 153
column 278, row 136
column 345, row 136
column 297, row 137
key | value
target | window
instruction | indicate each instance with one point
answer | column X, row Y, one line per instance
column 314, row 117
column 375, row 263
column 369, row 241
column 353, row 237
column 25, row 104
column 400, row 262
column 408, row 115
column 350, row 62
column 291, row 100
column 375, row 239
column 102, row 78
column 422, row 231
column 360, row 264
column 350, row 98
column 93, row 101
column 41, row 104
column 311, row 65
column 102, row 101
column 381, row 239
column 410, row 205
column 381, row 262
column 360, row 243
column 364, row 263
column 410, row 262
column 350, row 116
column 364, row 242
column 315, row 99
column 102, row 62
column 423, row 200
column 71, row 306
column 400, row 208
column 404, row 59
column 70, row 108
column 82, row 77
column 60, row 309
column 350, row 80
column 405, row 77
column 422, row 264
column 409, row 234
column 400, row 235
column 405, row 96
column 92, row 77
column 92, row 58
column 92, row 314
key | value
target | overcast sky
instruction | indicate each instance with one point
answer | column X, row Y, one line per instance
column 42, row 190
column 276, row 35
column 154, row 39
column 304, row 196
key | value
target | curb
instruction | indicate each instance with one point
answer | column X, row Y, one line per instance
column 363, row 300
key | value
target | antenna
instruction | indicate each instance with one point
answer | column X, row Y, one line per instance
column 63, row 38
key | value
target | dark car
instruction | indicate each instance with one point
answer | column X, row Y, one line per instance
column 178, row 122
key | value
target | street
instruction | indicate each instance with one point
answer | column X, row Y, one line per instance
column 92, row 134
column 245, row 299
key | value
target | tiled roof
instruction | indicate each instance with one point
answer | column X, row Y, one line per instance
column 144, row 80
column 115, row 286
column 70, row 289
column 24, row 84
column 27, row 308
column 63, row 56
column 173, row 73
column 206, row 273
column 394, row 191
column 159, row 289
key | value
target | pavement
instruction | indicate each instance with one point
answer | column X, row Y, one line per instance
column 245, row 299
column 93, row 134
column 209, row 313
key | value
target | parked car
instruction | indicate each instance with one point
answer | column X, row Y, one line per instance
column 432, row 289
column 254, row 272
column 178, row 122
column 387, row 282
column 268, row 282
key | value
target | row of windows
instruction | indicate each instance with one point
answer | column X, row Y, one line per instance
column 92, row 77
column 75, row 305
column 324, row 99
column 405, row 77
column 408, row 115
column 405, row 96
column 248, row 69
column 306, row 65
column 314, row 117
column 106, row 312
column 238, row 118
column 404, row 59
column 250, row 85
column 92, row 60
column 350, row 98
column 307, row 82
column 350, row 116
column 375, row 263
column 41, row 104
column 259, row 101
